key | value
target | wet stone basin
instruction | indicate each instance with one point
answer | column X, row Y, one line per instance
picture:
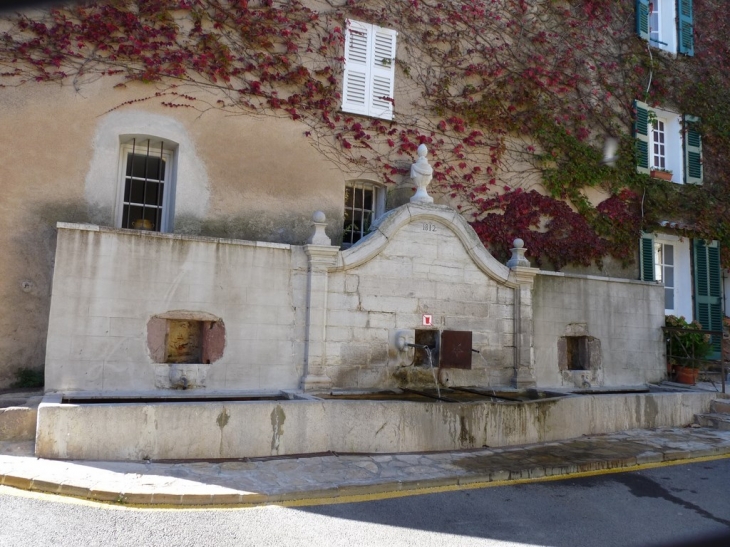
column 386, row 395
column 446, row 395
column 161, row 400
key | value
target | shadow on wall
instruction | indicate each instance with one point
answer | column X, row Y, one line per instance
column 30, row 250
column 287, row 227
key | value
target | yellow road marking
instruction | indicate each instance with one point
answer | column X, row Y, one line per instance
column 351, row 498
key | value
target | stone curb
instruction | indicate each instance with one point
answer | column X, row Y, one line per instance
column 197, row 499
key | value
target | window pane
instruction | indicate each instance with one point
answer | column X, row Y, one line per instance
column 134, row 216
column 368, row 199
column 149, row 192
column 669, row 255
column 668, row 299
column 141, row 166
column 358, row 198
column 668, row 276
column 348, row 199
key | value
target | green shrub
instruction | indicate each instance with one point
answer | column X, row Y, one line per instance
column 686, row 346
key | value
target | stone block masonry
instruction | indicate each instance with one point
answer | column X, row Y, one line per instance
column 315, row 317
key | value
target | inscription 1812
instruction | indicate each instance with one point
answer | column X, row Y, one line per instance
column 428, row 227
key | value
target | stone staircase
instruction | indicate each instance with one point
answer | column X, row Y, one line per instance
column 718, row 417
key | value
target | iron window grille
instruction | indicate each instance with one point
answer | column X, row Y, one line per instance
column 146, row 177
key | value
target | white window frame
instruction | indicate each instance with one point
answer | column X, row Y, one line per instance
column 138, row 145
column 683, row 285
column 378, row 208
column 665, row 36
column 369, row 72
column 673, row 146
column 661, row 270
column 659, row 144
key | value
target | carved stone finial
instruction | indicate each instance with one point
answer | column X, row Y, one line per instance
column 421, row 173
column 319, row 236
column 518, row 255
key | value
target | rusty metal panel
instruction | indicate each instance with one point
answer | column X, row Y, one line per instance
column 456, row 349
column 214, row 340
column 156, row 336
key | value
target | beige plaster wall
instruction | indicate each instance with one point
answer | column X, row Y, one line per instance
column 253, row 178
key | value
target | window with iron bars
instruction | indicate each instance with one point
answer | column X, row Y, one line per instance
column 146, row 182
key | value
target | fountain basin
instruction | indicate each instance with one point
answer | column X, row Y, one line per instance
column 444, row 394
column 204, row 429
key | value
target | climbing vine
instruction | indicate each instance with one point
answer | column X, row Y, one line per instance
column 513, row 98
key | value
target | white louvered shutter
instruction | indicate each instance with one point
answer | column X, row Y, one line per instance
column 383, row 73
column 356, row 92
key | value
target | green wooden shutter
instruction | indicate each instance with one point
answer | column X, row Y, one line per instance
column 646, row 250
column 686, row 27
column 708, row 290
column 641, row 133
column 642, row 19
column 692, row 151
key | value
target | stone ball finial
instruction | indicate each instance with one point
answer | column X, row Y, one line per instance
column 518, row 255
column 319, row 236
column 422, row 151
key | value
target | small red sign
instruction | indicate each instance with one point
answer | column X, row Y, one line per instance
column 427, row 320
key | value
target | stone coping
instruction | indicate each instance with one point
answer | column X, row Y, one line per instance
column 161, row 235
column 597, row 278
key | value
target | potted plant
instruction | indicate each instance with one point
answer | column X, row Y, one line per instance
column 663, row 174
column 687, row 346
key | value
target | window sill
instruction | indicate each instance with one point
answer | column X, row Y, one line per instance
column 662, row 175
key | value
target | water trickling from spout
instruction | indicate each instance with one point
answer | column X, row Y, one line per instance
column 433, row 371
column 427, row 350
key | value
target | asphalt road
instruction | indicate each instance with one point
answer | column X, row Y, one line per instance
column 662, row 506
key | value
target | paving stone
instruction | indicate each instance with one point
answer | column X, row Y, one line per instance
column 269, row 481
column 370, row 466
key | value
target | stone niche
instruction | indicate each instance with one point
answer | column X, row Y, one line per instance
column 579, row 357
column 183, row 345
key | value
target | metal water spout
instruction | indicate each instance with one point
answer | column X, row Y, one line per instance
column 427, row 350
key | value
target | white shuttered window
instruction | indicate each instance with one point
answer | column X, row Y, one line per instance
column 369, row 70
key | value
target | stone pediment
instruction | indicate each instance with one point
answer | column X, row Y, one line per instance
column 387, row 226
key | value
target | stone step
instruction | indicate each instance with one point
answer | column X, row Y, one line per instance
column 18, row 423
column 18, row 414
column 720, row 406
column 714, row 421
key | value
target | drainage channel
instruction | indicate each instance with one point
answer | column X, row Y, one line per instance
column 160, row 400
